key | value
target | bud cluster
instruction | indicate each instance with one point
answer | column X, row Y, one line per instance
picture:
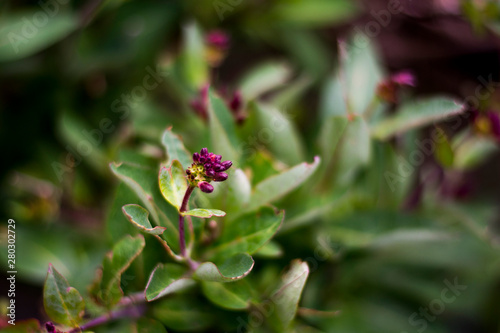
column 207, row 167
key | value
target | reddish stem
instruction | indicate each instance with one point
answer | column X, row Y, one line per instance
column 182, row 238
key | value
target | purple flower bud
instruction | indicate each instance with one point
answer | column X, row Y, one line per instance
column 226, row 165
column 220, row 177
column 217, row 158
column 188, row 172
column 218, row 167
column 236, row 102
column 208, row 166
column 404, row 78
column 202, row 159
column 50, row 327
column 205, row 187
column 217, row 38
column 196, row 157
column 204, row 152
column 209, row 173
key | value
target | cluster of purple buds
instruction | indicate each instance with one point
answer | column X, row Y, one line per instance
column 207, row 167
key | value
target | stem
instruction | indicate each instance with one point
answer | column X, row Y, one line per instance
column 182, row 238
column 128, row 312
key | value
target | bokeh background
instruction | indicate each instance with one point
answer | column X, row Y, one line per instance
column 67, row 65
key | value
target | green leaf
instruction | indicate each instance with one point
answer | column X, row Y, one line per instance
column 330, row 136
column 276, row 186
column 354, row 150
column 173, row 184
column 114, row 264
column 21, row 34
column 416, row 114
column 194, row 67
column 239, row 190
column 136, row 177
column 332, row 101
column 166, row 279
column 62, row 303
column 183, row 313
column 286, row 298
column 144, row 182
column 222, row 129
column 139, row 218
column 361, row 73
column 284, row 140
column 175, row 149
column 146, row 325
column 204, row 213
column 247, row 234
column 264, row 78
column 233, row 296
column 232, row 269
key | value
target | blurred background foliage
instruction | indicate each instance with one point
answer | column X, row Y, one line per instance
column 84, row 83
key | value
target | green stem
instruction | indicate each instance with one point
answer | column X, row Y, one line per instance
column 182, row 237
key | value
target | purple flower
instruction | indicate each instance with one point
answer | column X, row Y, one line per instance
column 49, row 326
column 494, row 123
column 205, row 187
column 388, row 89
column 207, row 167
column 217, row 38
column 404, row 78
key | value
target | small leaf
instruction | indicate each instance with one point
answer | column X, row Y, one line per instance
column 264, row 78
column 416, row 114
column 247, row 234
column 62, row 303
column 222, row 129
column 232, row 269
column 166, row 279
column 114, row 264
column 277, row 186
column 175, row 149
column 204, row 213
column 173, row 184
column 239, row 190
column 270, row 250
column 287, row 297
column 192, row 58
column 285, row 142
column 139, row 218
column 234, row 296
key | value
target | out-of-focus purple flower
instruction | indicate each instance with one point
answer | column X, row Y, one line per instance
column 207, row 167
column 236, row 102
column 388, row 89
column 217, row 38
column 404, row 78
column 49, row 326
column 200, row 102
column 494, row 118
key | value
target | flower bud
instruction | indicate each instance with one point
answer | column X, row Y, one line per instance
column 204, row 152
column 205, row 187
column 226, row 165
column 210, row 173
column 196, row 157
column 220, row 176
column 49, row 326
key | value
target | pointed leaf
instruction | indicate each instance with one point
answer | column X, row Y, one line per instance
column 247, row 234
column 264, row 78
column 232, row 269
column 222, row 129
column 277, row 186
column 173, row 184
column 194, row 66
column 285, row 142
column 287, row 297
column 62, row 303
column 166, row 279
column 239, row 190
column 416, row 114
column 234, row 296
column 114, row 264
column 175, row 149
column 204, row 213
column 139, row 218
